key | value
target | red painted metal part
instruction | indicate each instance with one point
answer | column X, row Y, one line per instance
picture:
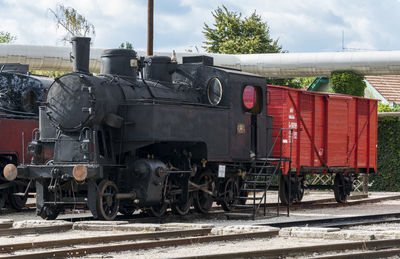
column 15, row 134
column 330, row 130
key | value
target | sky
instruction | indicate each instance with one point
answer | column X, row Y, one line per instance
column 300, row 25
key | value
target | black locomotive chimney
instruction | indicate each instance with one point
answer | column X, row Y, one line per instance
column 80, row 54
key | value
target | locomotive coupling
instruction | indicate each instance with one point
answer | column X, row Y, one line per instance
column 10, row 172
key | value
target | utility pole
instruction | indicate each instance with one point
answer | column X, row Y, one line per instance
column 150, row 13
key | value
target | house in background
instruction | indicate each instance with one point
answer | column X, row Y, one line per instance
column 385, row 88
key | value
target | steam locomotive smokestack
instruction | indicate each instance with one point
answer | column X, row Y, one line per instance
column 150, row 13
column 80, row 54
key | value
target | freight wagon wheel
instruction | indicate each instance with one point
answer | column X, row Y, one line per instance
column 107, row 203
column 181, row 208
column 296, row 189
column 202, row 201
column 284, row 190
column 230, row 192
column 16, row 200
column 339, row 188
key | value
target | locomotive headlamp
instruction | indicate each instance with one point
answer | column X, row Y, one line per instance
column 79, row 172
column 10, row 172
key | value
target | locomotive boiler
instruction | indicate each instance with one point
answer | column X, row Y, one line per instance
column 147, row 134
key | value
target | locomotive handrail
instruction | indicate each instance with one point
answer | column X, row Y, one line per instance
column 175, row 102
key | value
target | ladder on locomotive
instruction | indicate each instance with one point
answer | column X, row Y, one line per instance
column 259, row 179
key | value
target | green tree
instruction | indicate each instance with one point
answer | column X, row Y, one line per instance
column 348, row 82
column 126, row 45
column 74, row 23
column 233, row 35
column 6, row 37
column 298, row 82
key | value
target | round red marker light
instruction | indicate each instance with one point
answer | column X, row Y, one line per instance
column 249, row 97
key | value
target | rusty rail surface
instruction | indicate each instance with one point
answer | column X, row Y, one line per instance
column 107, row 248
column 103, row 239
column 310, row 250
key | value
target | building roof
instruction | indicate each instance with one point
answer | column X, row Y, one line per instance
column 388, row 86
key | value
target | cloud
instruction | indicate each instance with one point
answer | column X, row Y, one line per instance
column 303, row 25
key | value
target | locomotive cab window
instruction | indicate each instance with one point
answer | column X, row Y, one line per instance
column 252, row 99
column 214, row 91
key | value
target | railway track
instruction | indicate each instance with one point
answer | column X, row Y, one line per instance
column 340, row 222
column 360, row 249
column 216, row 211
column 75, row 247
column 104, row 244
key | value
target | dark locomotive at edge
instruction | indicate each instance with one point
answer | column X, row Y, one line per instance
column 177, row 135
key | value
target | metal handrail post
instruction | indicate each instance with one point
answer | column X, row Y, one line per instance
column 290, row 169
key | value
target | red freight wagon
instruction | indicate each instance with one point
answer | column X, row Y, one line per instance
column 16, row 131
column 331, row 133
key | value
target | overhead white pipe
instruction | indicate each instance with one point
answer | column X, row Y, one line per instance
column 280, row 65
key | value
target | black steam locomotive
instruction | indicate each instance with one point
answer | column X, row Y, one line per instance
column 146, row 134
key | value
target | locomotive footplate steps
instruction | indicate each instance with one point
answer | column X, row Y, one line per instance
column 258, row 180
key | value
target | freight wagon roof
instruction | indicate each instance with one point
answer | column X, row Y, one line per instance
column 333, row 95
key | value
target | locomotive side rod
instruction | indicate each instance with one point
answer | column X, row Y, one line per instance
column 201, row 187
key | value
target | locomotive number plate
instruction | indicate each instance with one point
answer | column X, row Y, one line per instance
column 241, row 129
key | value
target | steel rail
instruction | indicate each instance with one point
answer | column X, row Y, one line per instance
column 78, row 252
column 6, row 225
column 362, row 255
column 307, row 250
column 335, row 221
column 336, row 204
column 215, row 211
column 35, row 230
column 103, row 239
column 302, row 203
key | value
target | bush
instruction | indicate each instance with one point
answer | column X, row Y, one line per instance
column 348, row 82
column 388, row 175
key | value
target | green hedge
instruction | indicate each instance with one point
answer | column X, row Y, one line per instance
column 388, row 175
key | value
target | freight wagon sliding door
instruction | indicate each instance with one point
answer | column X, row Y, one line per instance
column 337, row 131
column 363, row 137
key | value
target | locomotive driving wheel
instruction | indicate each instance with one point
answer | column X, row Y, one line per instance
column 229, row 193
column 158, row 210
column 3, row 198
column 15, row 198
column 182, row 208
column 107, row 203
column 203, row 200
column 183, row 199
